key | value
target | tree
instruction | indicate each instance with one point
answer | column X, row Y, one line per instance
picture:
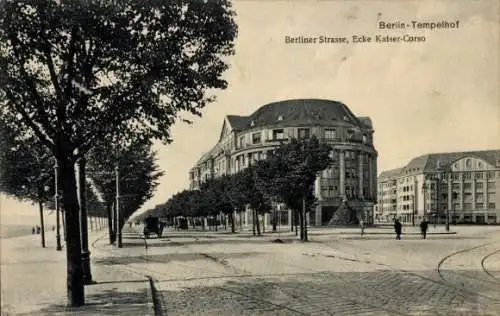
column 27, row 170
column 77, row 71
column 290, row 172
column 139, row 177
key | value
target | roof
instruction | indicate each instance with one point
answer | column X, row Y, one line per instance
column 238, row 122
column 304, row 111
column 390, row 173
column 431, row 162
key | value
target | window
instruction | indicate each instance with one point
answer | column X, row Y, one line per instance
column 350, row 134
column 467, row 185
column 330, row 133
column 241, row 142
column 468, row 164
column 467, row 175
column 479, row 205
column 478, row 175
column 490, row 175
column 491, row 205
column 467, row 196
column 278, row 134
column 467, row 206
column 304, row 133
column 479, row 197
column 479, row 185
column 280, row 118
column 256, row 138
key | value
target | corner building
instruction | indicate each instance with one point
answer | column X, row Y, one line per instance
column 463, row 186
column 352, row 176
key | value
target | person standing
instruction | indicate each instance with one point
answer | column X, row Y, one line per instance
column 362, row 226
column 398, row 227
column 424, row 225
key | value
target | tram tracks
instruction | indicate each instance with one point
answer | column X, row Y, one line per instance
column 293, row 292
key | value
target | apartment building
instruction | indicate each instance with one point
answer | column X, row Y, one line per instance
column 463, row 186
column 351, row 177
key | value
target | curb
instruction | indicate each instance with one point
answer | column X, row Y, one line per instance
column 158, row 310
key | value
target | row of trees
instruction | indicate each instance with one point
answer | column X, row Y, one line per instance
column 77, row 74
column 287, row 175
column 28, row 174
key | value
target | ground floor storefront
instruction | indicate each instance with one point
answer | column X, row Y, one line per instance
column 456, row 217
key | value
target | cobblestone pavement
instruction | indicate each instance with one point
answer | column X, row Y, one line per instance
column 333, row 275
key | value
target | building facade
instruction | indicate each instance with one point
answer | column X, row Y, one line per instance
column 463, row 186
column 352, row 176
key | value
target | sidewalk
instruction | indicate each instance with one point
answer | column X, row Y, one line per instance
column 34, row 281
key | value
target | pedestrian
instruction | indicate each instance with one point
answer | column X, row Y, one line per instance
column 33, row 230
column 424, row 225
column 362, row 226
column 398, row 228
column 38, row 230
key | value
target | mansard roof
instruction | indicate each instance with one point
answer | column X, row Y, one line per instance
column 305, row 111
column 390, row 173
column 432, row 162
column 237, row 122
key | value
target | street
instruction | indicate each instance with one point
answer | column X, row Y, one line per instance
column 337, row 273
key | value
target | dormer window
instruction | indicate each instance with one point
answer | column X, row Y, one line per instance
column 346, row 118
column 280, row 118
column 252, row 123
column 468, row 164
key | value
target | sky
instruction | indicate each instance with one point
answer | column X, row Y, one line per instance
column 440, row 95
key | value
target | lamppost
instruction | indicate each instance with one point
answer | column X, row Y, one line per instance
column 56, row 204
column 413, row 210
column 118, row 226
column 424, row 191
column 441, row 178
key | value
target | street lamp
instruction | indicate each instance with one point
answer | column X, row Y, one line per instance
column 424, row 191
column 413, row 210
column 56, row 204
column 442, row 179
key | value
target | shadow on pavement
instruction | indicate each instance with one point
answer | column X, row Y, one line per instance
column 106, row 302
column 171, row 257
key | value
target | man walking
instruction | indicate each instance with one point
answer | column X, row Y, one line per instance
column 398, row 227
column 424, row 225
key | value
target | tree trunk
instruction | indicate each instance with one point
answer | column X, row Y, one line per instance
column 109, row 210
column 121, row 222
column 253, row 221
column 82, row 187
column 292, row 220
column 301, row 224
column 306, row 238
column 75, row 288
column 257, row 223
column 40, row 207
column 231, row 219
column 274, row 221
column 296, row 221
column 64, row 224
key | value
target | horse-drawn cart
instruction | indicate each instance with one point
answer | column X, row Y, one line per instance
column 152, row 225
